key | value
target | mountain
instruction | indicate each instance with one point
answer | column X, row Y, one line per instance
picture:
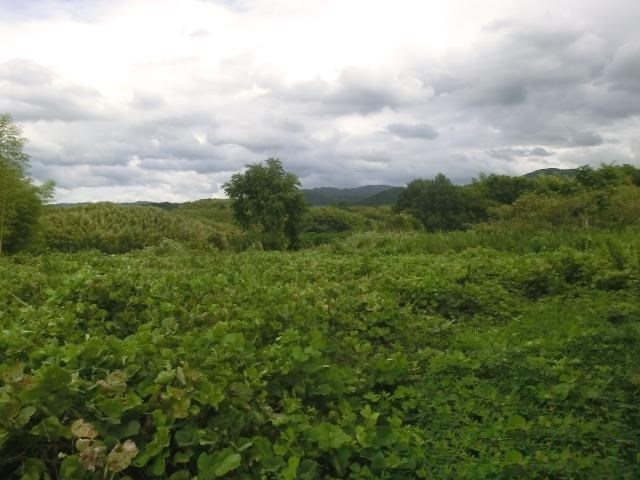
column 141, row 203
column 563, row 172
column 332, row 196
column 366, row 195
column 386, row 197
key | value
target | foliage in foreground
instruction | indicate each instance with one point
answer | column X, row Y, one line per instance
column 333, row 363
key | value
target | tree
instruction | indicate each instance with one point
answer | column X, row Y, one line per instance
column 12, row 144
column 439, row 204
column 20, row 200
column 267, row 203
column 502, row 189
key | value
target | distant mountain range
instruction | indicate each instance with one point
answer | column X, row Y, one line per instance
column 387, row 194
column 366, row 195
column 316, row 197
column 141, row 203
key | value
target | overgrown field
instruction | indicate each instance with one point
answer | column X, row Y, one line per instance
column 378, row 357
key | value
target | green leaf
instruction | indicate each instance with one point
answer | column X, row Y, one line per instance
column 33, row 469
column 206, row 466
column 271, row 463
column 384, row 435
column 187, row 435
column 289, row 473
column 181, row 475
column 183, row 456
column 517, row 422
column 561, row 391
column 329, row 436
column 54, row 377
column 165, row 377
column 72, row 469
column 125, row 430
column 228, row 464
column 215, row 465
column 242, row 391
column 25, row 415
column 51, row 427
column 159, row 466
column 514, row 456
column 155, row 447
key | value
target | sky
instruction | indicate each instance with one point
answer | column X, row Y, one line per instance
column 164, row 100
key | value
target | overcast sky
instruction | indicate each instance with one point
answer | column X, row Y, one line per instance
column 164, row 100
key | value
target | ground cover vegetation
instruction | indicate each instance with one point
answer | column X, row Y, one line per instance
column 377, row 356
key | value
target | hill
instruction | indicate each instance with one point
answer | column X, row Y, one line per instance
column 331, row 196
column 386, row 197
column 563, row 172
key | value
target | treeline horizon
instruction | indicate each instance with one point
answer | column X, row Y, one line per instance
column 267, row 209
column 608, row 197
column 369, row 194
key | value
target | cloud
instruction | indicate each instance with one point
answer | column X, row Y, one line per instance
column 342, row 98
column 354, row 91
column 511, row 153
column 585, row 139
column 624, row 70
column 32, row 92
column 418, row 130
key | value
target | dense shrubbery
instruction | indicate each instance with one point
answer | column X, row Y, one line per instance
column 382, row 361
column 114, row 228
column 604, row 208
column 328, row 224
column 606, row 197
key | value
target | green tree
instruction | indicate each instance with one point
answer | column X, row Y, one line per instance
column 502, row 189
column 20, row 200
column 12, row 144
column 268, row 204
column 439, row 204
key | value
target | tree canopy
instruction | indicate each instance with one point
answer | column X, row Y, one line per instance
column 439, row 204
column 268, row 203
column 20, row 200
column 604, row 197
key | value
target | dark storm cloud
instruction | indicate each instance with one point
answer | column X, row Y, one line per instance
column 417, row 130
